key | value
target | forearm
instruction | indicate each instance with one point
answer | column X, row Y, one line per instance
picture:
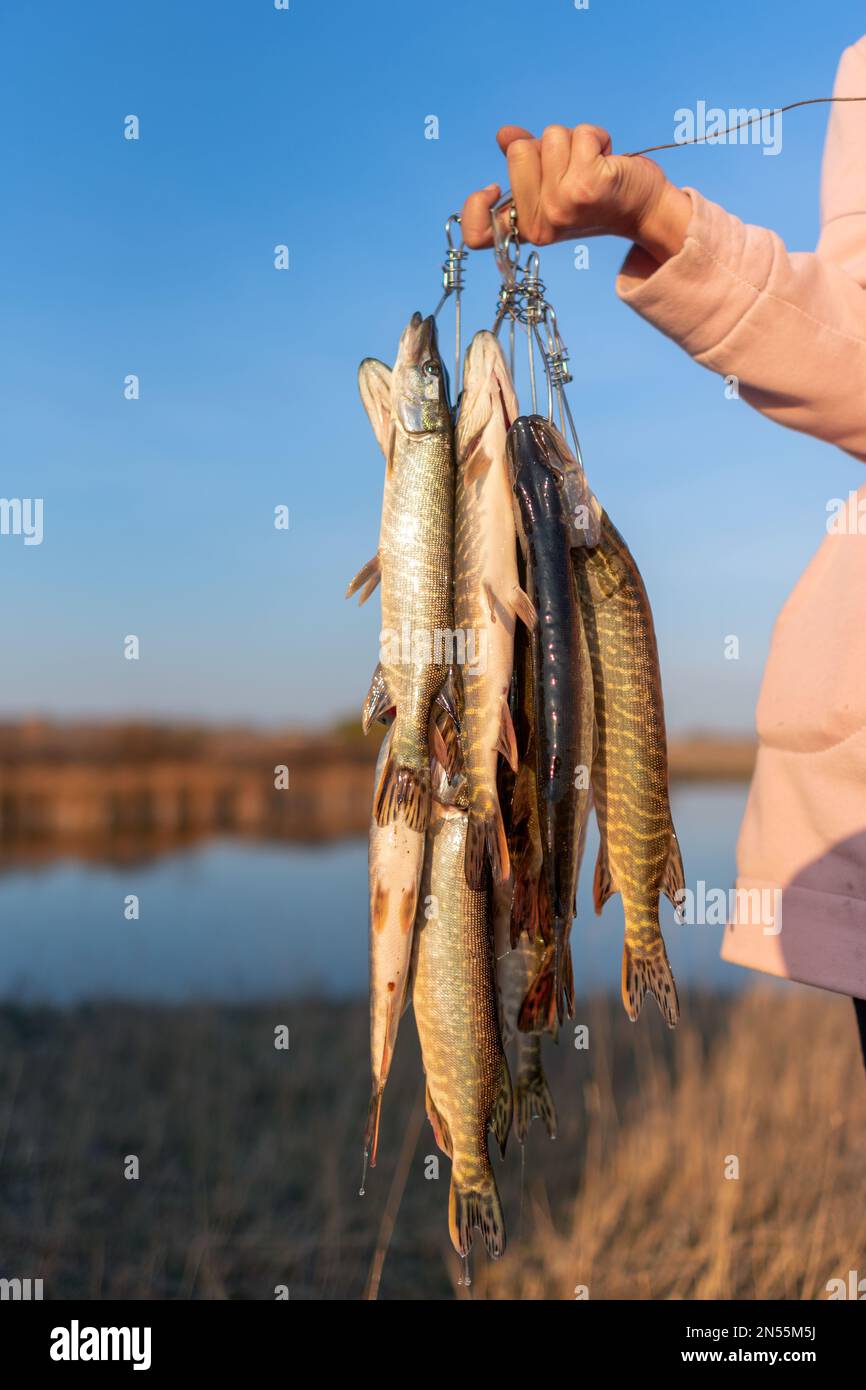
column 790, row 327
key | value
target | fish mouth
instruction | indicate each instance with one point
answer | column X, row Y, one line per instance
column 418, row 343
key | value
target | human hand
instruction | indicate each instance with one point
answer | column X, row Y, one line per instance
column 569, row 183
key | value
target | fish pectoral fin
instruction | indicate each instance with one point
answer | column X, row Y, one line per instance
column 374, row 382
column 523, row 606
column 506, row 743
column 441, row 1132
column 603, row 886
column 503, row 1108
column 366, row 580
column 378, row 702
column 674, row 879
column 641, row 976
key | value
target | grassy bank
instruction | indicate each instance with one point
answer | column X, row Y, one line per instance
column 250, row 1157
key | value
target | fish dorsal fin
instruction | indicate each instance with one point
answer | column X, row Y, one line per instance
column 374, row 382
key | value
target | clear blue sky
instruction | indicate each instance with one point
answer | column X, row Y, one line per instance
column 306, row 127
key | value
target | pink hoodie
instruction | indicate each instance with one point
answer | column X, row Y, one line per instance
column 792, row 328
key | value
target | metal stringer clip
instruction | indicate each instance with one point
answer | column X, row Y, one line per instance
column 452, row 283
column 523, row 299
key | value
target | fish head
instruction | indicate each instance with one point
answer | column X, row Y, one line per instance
column 581, row 506
column 419, row 382
column 487, row 403
column 536, row 475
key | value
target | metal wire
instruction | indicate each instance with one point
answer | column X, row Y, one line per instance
column 523, row 300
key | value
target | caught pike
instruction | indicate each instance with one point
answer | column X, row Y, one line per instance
column 396, row 859
column 454, row 993
column 516, row 969
column 487, row 595
column 639, row 855
column 561, row 672
column 411, row 418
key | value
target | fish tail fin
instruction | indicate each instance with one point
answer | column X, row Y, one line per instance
column 533, row 1101
column 653, row 975
column 402, row 791
column 476, row 1206
column 371, row 1133
column 486, row 838
column 503, row 1109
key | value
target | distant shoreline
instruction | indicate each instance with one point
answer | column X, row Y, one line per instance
column 123, row 789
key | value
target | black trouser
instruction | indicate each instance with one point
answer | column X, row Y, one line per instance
column 860, row 1007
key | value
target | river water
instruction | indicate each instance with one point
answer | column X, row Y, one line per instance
column 231, row 920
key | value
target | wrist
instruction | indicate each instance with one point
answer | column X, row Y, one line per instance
column 661, row 227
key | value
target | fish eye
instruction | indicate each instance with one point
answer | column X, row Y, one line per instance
column 431, row 368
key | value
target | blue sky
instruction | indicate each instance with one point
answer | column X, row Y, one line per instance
column 306, row 127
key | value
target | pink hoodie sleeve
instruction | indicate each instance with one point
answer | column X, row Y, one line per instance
column 791, row 326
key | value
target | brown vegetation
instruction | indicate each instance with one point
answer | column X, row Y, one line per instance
column 124, row 790
column 250, row 1157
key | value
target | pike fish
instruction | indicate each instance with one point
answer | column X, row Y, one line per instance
column 454, row 994
column 411, row 418
column 396, row 859
column 639, row 855
column 516, row 969
column 488, row 598
column 562, row 677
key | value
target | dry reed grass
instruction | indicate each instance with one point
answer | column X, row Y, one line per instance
column 250, row 1158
